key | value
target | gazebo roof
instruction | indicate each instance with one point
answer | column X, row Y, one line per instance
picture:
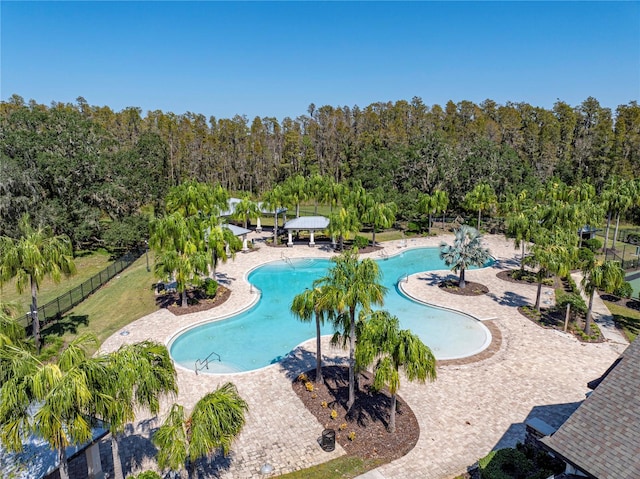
column 237, row 230
column 307, row 223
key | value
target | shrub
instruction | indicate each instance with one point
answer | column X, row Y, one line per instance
column 505, row 464
column 578, row 306
column 585, row 255
column 624, row 291
column 594, row 244
column 146, row 475
column 209, row 288
column 360, row 242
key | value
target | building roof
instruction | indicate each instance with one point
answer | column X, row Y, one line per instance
column 602, row 437
column 237, row 230
column 307, row 223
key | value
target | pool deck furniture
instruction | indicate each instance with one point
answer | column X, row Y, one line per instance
column 469, row 410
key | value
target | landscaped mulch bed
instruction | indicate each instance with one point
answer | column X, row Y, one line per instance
column 197, row 303
column 470, row 288
column 554, row 319
column 368, row 418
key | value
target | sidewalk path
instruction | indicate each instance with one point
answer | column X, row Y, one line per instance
column 467, row 411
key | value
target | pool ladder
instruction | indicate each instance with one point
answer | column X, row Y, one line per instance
column 204, row 363
column 287, row 260
column 403, row 278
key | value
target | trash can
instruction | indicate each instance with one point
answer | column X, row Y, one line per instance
column 328, row 440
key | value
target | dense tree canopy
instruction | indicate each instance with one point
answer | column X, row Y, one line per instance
column 85, row 169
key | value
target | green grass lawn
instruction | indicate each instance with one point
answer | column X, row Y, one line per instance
column 628, row 319
column 124, row 299
column 343, row 467
column 86, row 267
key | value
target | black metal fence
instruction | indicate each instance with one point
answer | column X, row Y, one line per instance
column 53, row 310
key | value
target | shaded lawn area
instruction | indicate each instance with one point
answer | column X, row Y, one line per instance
column 625, row 318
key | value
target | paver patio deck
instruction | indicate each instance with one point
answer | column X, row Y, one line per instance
column 466, row 412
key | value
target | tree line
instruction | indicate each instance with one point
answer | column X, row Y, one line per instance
column 90, row 172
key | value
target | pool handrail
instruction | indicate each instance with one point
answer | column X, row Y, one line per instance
column 205, row 361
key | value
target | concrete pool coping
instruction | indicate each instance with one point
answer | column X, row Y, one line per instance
column 467, row 411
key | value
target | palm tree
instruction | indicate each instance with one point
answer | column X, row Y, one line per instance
column 137, row 376
column 607, row 276
column 381, row 340
column 552, row 252
column 193, row 198
column 60, row 392
column 348, row 286
column 11, row 331
column 246, row 209
column 465, row 252
column 481, row 198
column 295, row 188
column 36, row 254
column 180, row 251
column 305, row 307
column 521, row 227
column 275, row 200
column 380, row 215
column 433, row 204
column 342, row 224
column 214, row 423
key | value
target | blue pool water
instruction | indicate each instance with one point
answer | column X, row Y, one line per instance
column 264, row 334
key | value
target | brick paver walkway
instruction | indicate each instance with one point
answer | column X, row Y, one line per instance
column 469, row 410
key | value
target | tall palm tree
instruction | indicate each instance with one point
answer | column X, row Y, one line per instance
column 307, row 306
column 481, row 198
column 552, row 252
column 11, row 331
column 342, row 223
column 137, row 375
column 214, row 423
column 246, row 209
column 380, row 339
column 180, row 252
column 380, row 215
column 521, row 227
column 192, row 198
column 295, row 188
column 607, row 276
column 465, row 252
column 275, row 200
column 351, row 285
column 61, row 393
column 35, row 254
column 433, row 204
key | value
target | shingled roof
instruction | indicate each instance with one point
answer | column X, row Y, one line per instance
column 602, row 437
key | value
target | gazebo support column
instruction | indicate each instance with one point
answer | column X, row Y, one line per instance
column 312, row 240
column 259, row 226
column 290, row 243
column 94, row 465
column 244, row 243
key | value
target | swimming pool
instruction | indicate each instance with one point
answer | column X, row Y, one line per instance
column 268, row 331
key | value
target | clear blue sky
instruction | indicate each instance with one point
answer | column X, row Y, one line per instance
column 274, row 59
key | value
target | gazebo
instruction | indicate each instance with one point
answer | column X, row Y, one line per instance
column 239, row 231
column 306, row 223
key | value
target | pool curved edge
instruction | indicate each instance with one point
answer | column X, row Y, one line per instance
column 256, row 298
column 488, row 336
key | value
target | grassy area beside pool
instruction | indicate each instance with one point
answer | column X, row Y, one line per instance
column 124, row 299
column 626, row 318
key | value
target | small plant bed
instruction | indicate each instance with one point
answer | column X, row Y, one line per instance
column 196, row 300
column 521, row 462
column 553, row 318
column 522, row 277
column 363, row 432
column 470, row 288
